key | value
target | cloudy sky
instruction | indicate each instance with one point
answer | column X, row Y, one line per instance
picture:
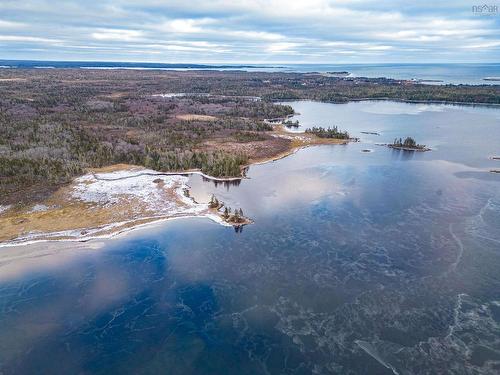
column 256, row 31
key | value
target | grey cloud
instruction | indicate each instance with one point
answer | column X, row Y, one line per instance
column 248, row 31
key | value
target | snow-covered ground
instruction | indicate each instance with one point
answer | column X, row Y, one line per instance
column 159, row 193
column 170, row 95
column 137, row 197
column 39, row 208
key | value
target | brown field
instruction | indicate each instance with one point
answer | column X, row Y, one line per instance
column 192, row 117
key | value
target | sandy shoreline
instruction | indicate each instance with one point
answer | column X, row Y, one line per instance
column 117, row 233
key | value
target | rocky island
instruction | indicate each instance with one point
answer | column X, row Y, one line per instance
column 408, row 144
column 235, row 217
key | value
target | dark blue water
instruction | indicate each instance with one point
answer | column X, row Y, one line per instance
column 441, row 73
column 381, row 262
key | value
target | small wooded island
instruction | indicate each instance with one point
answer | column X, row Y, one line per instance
column 291, row 124
column 339, row 74
column 236, row 218
column 409, row 144
column 332, row 132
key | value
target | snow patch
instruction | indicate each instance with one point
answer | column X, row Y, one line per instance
column 83, row 235
column 39, row 208
column 151, row 189
column 145, row 194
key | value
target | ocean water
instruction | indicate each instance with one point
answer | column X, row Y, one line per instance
column 473, row 74
column 358, row 262
column 443, row 73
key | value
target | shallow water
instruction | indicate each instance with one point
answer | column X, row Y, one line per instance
column 380, row 262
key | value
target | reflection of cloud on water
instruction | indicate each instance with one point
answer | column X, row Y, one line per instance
column 189, row 266
column 397, row 108
column 21, row 261
column 422, row 179
column 23, row 332
column 266, row 193
column 303, row 186
column 56, row 295
column 109, row 286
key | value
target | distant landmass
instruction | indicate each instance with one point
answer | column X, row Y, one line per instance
column 435, row 74
column 28, row 64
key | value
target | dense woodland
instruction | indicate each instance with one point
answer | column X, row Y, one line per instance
column 56, row 123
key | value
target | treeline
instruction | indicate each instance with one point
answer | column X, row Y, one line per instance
column 19, row 170
column 49, row 150
column 50, row 87
column 216, row 163
column 56, row 152
column 261, row 110
column 342, row 92
column 332, row 132
column 27, row 170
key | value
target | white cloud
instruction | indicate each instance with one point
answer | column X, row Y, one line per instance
column 378, row 48
column 117, row 34
column 10, row 24
column 483, row 45
column 281, row 47
column 252, row 30
column 29, row 39
column 185, row 48
column 185, row 26
column 255, row 35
